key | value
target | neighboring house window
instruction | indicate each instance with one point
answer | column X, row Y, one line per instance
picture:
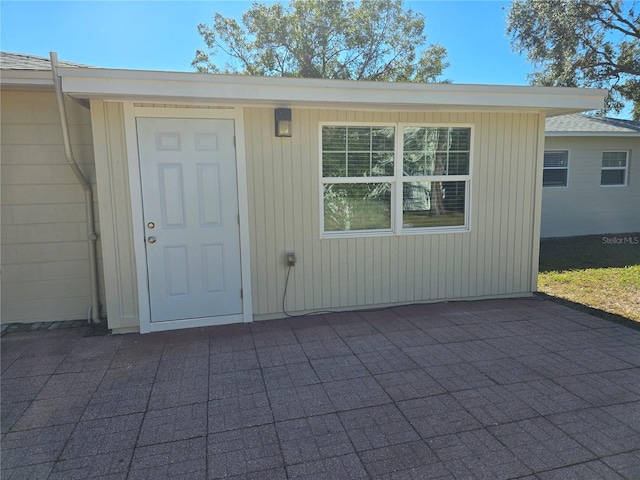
column 556, row 168
column 614, row 169
column 380, row 179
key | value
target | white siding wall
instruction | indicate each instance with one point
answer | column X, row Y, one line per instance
column 495, row 258
column 45, row 268
column 584, row 207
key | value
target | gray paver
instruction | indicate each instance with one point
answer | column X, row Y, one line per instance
column 25, row 389
column 232, row 384
column 540, row 445
column 105, row 435
column 241, row 411
column 171, row 368
column 408, row 384
column 122, row 401
column 459, row 376
column 477, row 453
column 581, row 471
column 377, row 427
column 233, row 361
column 385, row 361
column 494, row 405
column 356, row 393
column 438, row 415
column 328, row 348
column 300, row 401
column 245, row 452
column 339, row 368
column 289, row 376
column 31, row 447
column 337, row 468
column 174, row 393
column 280, row 355
column 40, row 471
column 184, row 459
column 313, row 438
column 107, row 466
column 598, row 389
column 384, row 462
column 626, row 464
column 521, row 388
column 171, row 424
column 52, row 411
column 10, row 413
column 597, row 430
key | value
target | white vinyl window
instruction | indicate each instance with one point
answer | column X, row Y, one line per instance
column 394, row 178
column 614, row 169
column 556, row 168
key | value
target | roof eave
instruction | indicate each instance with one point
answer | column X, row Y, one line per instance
column 26, row 79
column 238, row 89
column 592, row 134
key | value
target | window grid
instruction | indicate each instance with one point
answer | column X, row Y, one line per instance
column 337, row 210
column 556, row 168
column 442, row 186
column 613, row 172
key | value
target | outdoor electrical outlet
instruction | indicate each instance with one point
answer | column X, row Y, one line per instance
column 291, row 259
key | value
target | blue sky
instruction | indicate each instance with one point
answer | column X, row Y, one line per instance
column 150, row 35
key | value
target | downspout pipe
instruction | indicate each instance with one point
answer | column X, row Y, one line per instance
column 92, row 238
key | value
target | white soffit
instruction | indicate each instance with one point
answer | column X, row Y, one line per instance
column 241, row 89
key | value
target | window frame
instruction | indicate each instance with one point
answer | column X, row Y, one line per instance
column 556, row 168
column 396, row 181
column 625, row 169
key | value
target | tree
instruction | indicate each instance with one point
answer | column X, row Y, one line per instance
column 593, row 43
column 337, row 39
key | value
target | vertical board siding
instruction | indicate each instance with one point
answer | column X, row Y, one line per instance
column 44, row 234
column 494, row 258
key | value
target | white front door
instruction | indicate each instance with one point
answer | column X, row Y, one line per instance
column 190, row 211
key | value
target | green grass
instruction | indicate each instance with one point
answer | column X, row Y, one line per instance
column 600, row 271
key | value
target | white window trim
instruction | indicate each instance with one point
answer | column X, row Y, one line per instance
column 397, row 228
column 557, row 168
column 626, row 168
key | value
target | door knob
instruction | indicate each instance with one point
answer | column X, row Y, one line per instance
column 151, row 240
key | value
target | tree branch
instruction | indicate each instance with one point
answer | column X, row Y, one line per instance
column 634, row 32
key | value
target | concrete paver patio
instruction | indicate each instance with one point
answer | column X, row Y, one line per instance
column 493, row 389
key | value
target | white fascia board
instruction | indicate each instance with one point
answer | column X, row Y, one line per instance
column 26, row 78
column 592, row 134
column 241, row 89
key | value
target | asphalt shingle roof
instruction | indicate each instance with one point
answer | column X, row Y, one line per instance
column 21, row 61
column 580, row 123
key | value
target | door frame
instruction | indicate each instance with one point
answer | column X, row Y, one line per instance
column 235, row 113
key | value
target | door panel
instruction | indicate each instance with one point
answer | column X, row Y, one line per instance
column 209, row 195
column 171, row 195
column 190, row 209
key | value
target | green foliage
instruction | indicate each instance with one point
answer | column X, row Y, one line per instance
column 337, row 39
column 593, row 43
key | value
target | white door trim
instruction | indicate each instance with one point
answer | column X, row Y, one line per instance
column 131, row 112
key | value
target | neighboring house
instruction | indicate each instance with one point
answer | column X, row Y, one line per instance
column 591, row 181
column 201, row 196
